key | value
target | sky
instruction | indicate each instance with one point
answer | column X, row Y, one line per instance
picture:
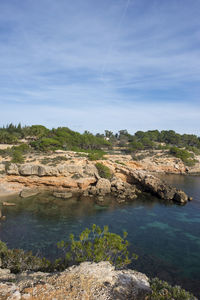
column 96, row 65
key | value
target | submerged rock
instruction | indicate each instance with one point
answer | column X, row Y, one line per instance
column 64, row 195
column 8, row 204
column 25, row 193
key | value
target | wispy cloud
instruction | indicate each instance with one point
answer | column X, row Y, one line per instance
column 128, row 61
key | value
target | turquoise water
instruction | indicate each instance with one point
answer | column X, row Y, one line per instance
column 165, row 236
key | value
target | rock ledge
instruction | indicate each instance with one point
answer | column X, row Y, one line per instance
column 89, row 281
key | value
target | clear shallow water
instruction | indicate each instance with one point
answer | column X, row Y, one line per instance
column 165, row 236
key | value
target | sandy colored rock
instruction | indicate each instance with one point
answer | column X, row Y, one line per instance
column 8, row 204
column 83, row 183
column 28, row 192
column 64, row 195
column 103, row 186
column 91, row 170
column 13, row 170
column 91, row 281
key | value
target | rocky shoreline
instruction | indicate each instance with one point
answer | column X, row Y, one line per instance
column 82, row 177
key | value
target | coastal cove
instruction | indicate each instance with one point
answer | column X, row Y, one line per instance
column 166, row 236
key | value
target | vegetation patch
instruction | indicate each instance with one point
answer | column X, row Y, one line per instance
column 96, row 155
column 17, row 260
column 103, row 171
column 161, row 290
column 184, row 155
column 97, row 245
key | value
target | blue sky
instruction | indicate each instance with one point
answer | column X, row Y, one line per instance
column 95, row 65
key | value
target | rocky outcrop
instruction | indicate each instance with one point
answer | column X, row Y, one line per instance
column 123, row 190
column 59, row 170
column 103, row 186
column 92, row 281
column 126, row 183
column 12, row 170
column 84, row 183
column 154, row 185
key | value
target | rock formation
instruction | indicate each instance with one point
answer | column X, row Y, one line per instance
column 91, row 281
column 81, row 176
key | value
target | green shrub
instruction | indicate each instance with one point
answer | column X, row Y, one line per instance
column 184, row 155
column 96, row 155
column 17, row 260
column 103, row 171
column 161, row 290
column 96, row 245
column 17, row 157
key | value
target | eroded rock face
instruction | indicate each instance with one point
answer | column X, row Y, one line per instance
column 91, row 170
column 92, row 281
column 83, row 183
column 84, row 176
column 28, row 169
column 156, row 186
column 13, row 170
column 103, row 186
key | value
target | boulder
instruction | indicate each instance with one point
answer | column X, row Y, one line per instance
column 93, row 190
column 63, row 170
column 181, row 197
column 73, row 168
column 63, row 195
column 8, row 204
column 12, row 170
column 91, row 170
column 83, row 183
column 28, row 170
column 103, row 186
column 118, row 184
column 25, row 193
column 47, row 171
column 69, row 183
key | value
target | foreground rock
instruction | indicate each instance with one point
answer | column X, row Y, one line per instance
column 89, row 281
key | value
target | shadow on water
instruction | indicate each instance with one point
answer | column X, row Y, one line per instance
column 165, row 236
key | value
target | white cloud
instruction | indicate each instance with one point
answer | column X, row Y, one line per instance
column 77, row 55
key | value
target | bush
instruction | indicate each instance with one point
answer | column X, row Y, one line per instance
column 161, row 290
column 96, row 155
column 17, row 157
column 96, row 245
column 103, row 171
column 184, row 155
column 17, row 260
